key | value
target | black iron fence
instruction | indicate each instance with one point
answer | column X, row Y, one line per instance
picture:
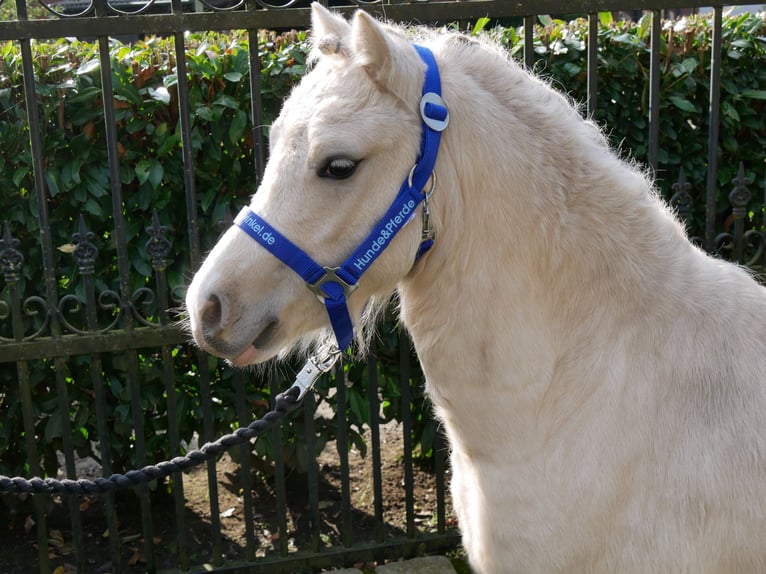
column 87, row 313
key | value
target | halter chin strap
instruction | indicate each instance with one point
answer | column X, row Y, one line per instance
column 333, row 285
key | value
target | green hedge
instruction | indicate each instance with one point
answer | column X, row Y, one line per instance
column 145, row 86
column 623, row 97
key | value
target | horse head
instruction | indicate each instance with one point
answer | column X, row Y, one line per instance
column 344, row 142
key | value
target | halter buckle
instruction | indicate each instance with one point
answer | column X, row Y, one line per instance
column 331, row 276
column 434, row 111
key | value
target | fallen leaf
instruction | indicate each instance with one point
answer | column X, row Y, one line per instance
column 228, row 513
column 137, row 557
column 56, row 538
column 29, row 524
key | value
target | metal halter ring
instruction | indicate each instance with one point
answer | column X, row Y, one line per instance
column 432, row 179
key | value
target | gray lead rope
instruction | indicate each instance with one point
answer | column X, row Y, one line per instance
column 285, row 403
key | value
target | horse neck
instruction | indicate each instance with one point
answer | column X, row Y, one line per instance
column 538, row 227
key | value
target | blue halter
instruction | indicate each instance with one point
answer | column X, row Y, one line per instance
column 333, row 285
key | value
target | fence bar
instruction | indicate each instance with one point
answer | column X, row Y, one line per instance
column 71, row 345
column 275, row 385
column 330, row 558
column 377, row 478
column 256, row 105
column 592, row 63
column 49, row 273
column 447, row 11
column 184, row 118
column 12, row 262
column 762, row 247
column 713, row 110
column 206, row 398
column 158, row 247
column 309, row 408
column 654, row 90
column 244, row 417
column 347, row 536
column 123, row 266
column 529, row 41
column 440, row 447
column 406, row 418
column 85, row 255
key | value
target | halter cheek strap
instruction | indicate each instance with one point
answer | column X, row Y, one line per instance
column 333, row 285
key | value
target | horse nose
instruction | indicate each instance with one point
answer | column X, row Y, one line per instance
column 211, row 314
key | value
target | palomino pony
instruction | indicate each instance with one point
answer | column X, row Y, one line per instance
column 600, row 379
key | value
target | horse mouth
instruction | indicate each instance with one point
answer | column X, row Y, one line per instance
column 262, row 340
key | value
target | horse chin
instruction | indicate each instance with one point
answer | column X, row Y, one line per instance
column 250, row 356
column 259, row 350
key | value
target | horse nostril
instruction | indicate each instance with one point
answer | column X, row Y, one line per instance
column 211, row 313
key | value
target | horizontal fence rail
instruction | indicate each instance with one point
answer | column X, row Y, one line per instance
column 92, row 349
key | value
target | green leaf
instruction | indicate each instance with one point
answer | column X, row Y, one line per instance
column 226, row 101
column 88, row 67
column 644, row 25
column 729, row 111
column 754, row 94
column 481, row 23
column 682, row 103
column 572, row 69
column 142, row 170
column 19, row 175
column 160, row 94
column 233, row 76
column 237, row 127
column 156, row 171
column 93, row 207
column 149, row 170
column 605, row 18
column 208, row 114
column 53, row 183
column 84, row 94
column 169, row 143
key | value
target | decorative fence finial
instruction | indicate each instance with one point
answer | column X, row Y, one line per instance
column 85, row 251
column 11, row 259
column 682, row 200
column 740, row 195
column 158, row 246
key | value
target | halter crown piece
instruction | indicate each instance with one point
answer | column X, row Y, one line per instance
column 333, row 285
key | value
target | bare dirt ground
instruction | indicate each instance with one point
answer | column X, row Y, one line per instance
column 18, row 542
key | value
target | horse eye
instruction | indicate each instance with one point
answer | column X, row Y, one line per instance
column 338, row 168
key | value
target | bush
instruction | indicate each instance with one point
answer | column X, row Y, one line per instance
column 69, row 103
column 623, row 96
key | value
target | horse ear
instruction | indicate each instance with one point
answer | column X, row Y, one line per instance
column 371, row 47
column 329, row 29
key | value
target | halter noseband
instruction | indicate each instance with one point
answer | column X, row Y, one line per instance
column 333, row 285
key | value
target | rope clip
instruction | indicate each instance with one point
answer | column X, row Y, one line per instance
column 318, row 364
